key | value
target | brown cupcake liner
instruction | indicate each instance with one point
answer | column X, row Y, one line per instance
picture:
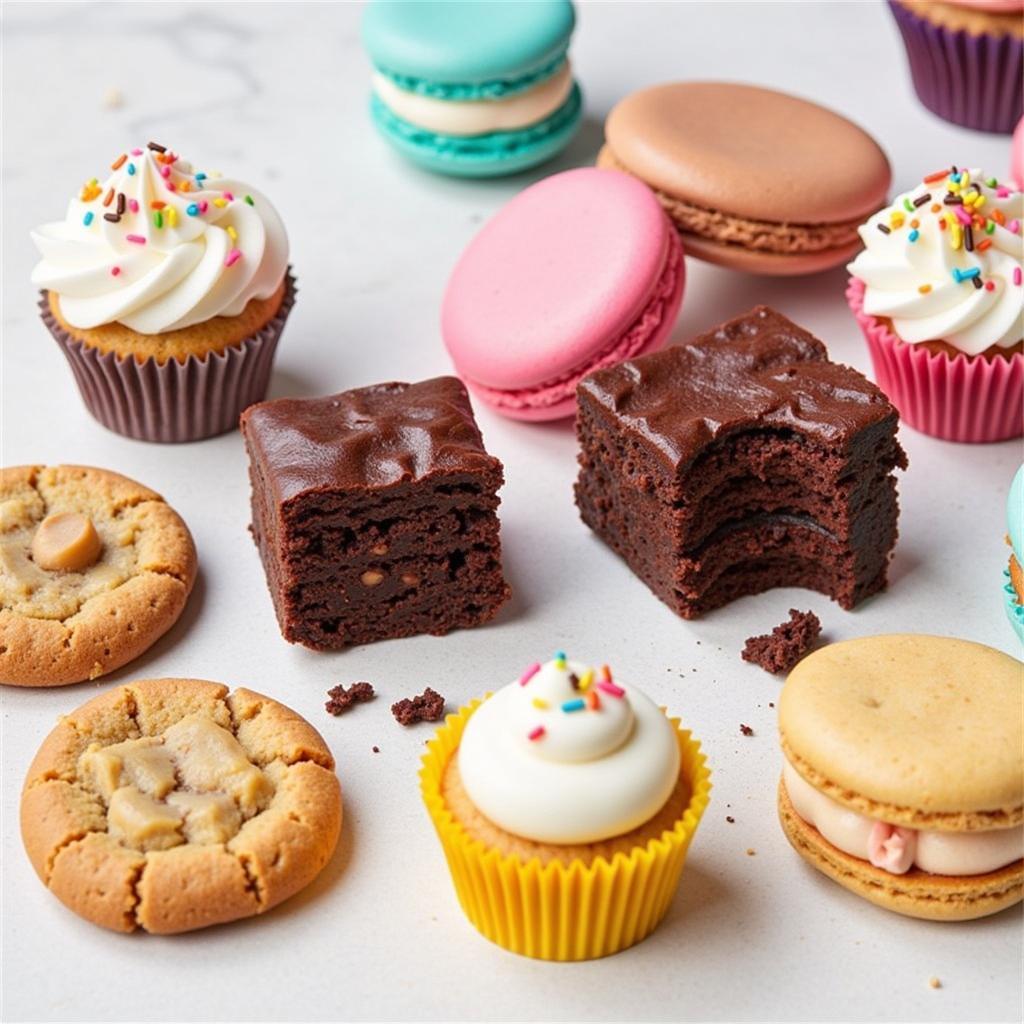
column 174, row 401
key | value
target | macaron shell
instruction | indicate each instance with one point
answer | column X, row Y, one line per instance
column 749, row 151
column 770, row 264
column 917, row 730
column 914, row 894
column 469, row 42
column 554, row 278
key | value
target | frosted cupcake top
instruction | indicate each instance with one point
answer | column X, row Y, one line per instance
column 944, row 262
column 566, row 754
column 159, row 246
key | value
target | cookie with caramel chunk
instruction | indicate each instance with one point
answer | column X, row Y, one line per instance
column 94, row 568
column 173, row 804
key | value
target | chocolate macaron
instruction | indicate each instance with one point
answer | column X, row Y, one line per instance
column 754, row 179
column 903, row 775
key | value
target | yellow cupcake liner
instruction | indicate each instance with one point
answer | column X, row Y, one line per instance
column 574, row 911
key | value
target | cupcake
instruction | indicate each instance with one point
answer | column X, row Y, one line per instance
column 167, row 290
column 938, row 293
column 966, row 58
column 565, row 804
column 1013, row 574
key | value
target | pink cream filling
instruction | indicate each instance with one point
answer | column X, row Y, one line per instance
column 646, row 332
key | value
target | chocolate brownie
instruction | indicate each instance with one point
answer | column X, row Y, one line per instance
column 375, row 513
column 743, row 461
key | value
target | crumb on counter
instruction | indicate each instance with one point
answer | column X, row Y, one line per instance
column 341, row 699
column 427, row 707
column 746, row 730
column 934, row 983
column 779, row 650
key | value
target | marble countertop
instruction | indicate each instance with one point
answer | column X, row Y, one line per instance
column 276, row 93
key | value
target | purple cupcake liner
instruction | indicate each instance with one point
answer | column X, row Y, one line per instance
column 974, row 81
column 173, row 402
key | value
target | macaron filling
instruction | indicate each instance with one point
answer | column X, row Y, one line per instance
column 477, row 116
column 896, row 849
column 485, row 146
column 645, row 333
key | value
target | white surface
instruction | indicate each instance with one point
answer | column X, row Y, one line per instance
column 277, row 94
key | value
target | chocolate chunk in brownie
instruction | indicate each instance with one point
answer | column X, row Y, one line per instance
column 375, row 513
column 743, row 461
column 427, row 707
column 341, row 699
column 786, row 644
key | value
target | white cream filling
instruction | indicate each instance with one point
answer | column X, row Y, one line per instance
column 477, row 117
column 938, row 853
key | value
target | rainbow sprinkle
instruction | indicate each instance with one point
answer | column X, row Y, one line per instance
column 540, row 703
column 574, row 705
column 530, row 672
column 607, row 686
column 593, row 701
column 115, row 271
column 232, row 257
column 1017, row 276
column 87, row 219
column 536, row 733
column 137, row 239
column 192, row 210
column 560, row 660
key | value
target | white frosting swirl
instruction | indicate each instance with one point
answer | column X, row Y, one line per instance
column 939, row 853
column 919, row 270
column 477, row 116
column 186, row 247
column 540, row 766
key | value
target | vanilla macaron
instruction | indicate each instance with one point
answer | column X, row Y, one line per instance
column 903, row 772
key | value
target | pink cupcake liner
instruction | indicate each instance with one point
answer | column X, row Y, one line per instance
column 174, row 402
column 971, row 80
column 961, row 399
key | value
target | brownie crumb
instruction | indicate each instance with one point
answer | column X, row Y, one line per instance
column 786, row 644
column 746, row 730
column 342, row 699
column 729, row 818
column 376, row 750
column 427, row 707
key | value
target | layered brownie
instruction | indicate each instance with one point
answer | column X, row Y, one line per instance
column 743, row 461
column 375, row 513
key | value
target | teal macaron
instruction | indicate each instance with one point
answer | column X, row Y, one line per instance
column 1013, row 577
column 474, row 88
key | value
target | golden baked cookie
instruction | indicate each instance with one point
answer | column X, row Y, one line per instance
column 94, row 568
column 214, row 335
column 171, row 804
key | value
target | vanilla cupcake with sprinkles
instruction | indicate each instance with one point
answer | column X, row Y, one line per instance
column 167, row 288
column 565, row 803
column 938, row 291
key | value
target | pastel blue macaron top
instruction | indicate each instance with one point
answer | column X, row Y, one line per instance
column 470, row 48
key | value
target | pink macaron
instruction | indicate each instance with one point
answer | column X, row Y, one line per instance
column 580, row 271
